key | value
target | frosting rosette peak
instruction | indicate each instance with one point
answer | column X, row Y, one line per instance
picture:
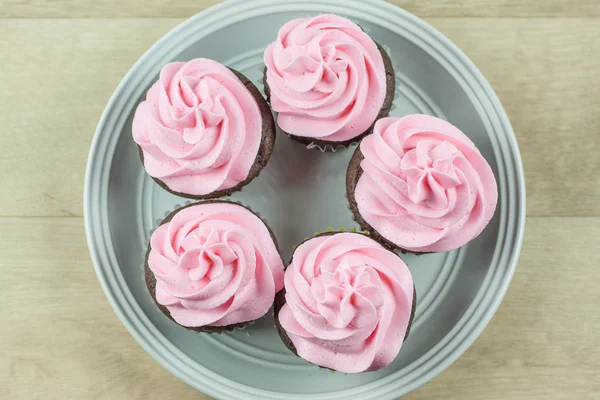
column 200, row 127
column 348, row 304
column 326, row 78
column 214, row 264
column 422, row 184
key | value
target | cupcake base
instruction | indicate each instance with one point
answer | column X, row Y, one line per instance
column 265, row 149
column 326, row 145
column 151, row 279
column 280, row 301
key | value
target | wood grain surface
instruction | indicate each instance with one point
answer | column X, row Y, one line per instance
column 62, row 59
column 185, row 8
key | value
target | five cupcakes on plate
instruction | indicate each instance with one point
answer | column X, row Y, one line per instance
column 416, row 184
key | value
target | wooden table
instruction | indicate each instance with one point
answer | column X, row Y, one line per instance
column 61, row 61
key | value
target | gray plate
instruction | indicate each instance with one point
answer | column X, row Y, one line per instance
column 302, row 191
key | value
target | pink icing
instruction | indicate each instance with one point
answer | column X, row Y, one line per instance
column 199, row 128
column 326, row 77
column 215, row 264
column 425, row 186
column 348, row 302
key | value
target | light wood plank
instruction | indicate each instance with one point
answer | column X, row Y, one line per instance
column 59, row 81
column 186, row 8
column 102, row 9
column 56, row 86
column 60, row 338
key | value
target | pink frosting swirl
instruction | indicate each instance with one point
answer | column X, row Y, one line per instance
column 326, row 78
column 348, row 302
column 425, row 186
column 199, row 128
column 215, row 264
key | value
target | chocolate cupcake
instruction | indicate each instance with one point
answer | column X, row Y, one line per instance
column 204, row 130
column 348, row 303
column 213, row 266
column 327, row 80
column 420, row 185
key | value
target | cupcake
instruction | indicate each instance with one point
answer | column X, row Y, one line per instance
column 213, row 266
column 327, row 80
column 204, row 130
column 348, row 303
column 420, row 185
